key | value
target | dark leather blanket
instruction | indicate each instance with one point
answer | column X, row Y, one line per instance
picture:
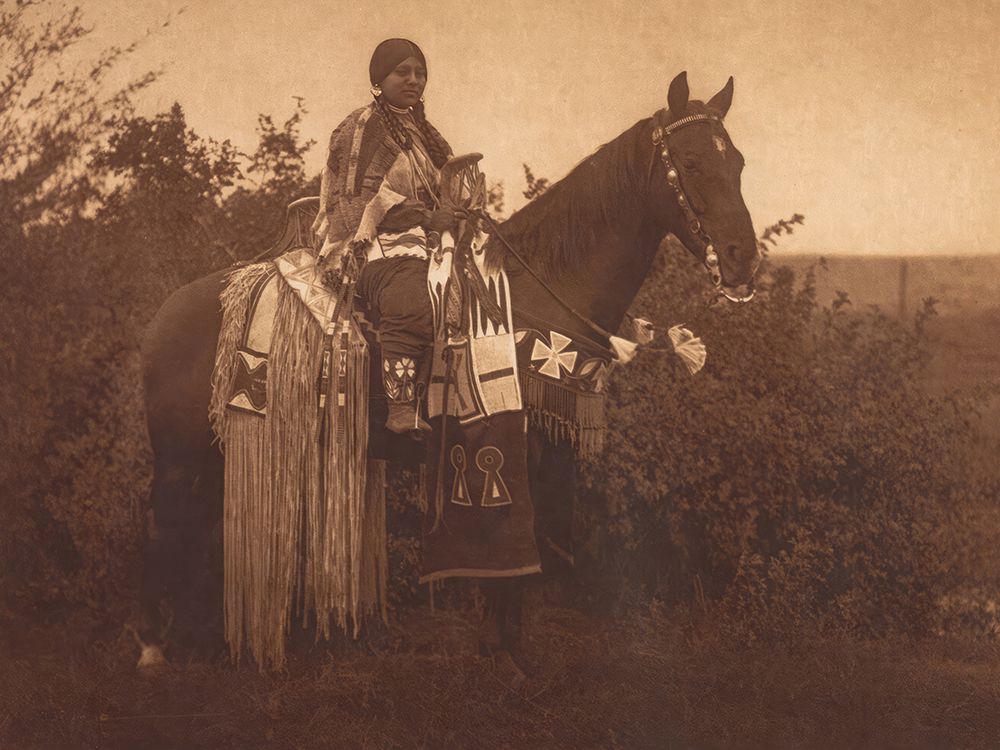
column 487, row 519
column 480, row 520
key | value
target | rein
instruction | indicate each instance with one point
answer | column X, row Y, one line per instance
column 495, row 230
column 711, row 258
column 617, row 347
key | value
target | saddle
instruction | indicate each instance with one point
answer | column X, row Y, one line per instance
column 295, row 403
column 500, row 359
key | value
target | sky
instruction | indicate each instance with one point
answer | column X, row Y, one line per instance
column 879, row 121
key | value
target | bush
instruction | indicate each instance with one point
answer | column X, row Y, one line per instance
column 803, row 475
column 81, row 288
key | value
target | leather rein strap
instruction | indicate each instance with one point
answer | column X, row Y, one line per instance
column 495, row 231
column 711, row 259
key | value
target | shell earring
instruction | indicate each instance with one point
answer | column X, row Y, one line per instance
column 376, row 91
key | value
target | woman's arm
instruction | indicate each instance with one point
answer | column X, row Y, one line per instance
column 412, row 213
column 406, row 215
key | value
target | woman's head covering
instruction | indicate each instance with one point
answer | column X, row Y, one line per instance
column 389, row 54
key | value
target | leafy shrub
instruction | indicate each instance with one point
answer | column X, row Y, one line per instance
column 111, row 211
column 803, row 475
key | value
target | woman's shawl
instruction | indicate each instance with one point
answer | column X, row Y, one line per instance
column 366, row 174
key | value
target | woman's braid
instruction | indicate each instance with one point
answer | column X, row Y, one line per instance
column 397, row 130
column 437, row 146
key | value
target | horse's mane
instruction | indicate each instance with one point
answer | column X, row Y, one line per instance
column 560, row 227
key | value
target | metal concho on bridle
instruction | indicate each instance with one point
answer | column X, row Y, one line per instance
column 660, row 134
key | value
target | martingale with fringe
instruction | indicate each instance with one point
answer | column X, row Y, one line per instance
column 563, row 378
column 304, row 507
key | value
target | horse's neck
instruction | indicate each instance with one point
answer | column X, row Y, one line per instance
column 605, row 275
column 606, row 280
column 590, row 235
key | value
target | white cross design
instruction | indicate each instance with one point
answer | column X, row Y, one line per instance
column 405, row 367
column 555, row 356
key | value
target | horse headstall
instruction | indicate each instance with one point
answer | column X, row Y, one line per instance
column 660, row 134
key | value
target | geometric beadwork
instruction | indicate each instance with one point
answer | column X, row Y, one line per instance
column 398, row 376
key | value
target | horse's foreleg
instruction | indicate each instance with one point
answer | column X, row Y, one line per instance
column 553, row 491
column 500, row 627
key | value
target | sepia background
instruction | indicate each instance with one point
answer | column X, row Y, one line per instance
column 795, row 547
column 878, row 120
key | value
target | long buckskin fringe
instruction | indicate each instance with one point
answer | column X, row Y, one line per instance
column 565, row 414
column 342, row 571
column 247, row 499
column 304, row 530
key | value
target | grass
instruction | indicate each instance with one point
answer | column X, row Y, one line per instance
column 647, row 680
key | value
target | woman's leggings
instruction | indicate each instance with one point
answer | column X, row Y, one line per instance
column 394, row 290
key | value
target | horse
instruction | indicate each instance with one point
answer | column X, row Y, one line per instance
column 576, row 257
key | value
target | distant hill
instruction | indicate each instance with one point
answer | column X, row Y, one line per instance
column 965, row 336
column 961, row 284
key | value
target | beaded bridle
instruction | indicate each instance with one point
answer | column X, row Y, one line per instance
column 711, row 258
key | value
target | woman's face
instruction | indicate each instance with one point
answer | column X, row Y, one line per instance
column 404, row 86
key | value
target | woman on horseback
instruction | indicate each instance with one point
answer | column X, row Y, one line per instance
column 379, row 208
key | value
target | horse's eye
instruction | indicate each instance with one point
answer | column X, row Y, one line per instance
column 689, row 164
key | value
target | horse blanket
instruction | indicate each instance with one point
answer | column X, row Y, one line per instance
column 295, row 405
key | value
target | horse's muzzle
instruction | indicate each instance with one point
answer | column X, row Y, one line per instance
column 741, row 293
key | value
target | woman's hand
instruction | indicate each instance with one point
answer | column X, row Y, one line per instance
column 440, row 220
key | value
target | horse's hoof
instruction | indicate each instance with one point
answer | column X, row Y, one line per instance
column 510, row 670
column 505, row 666
column 152, row 661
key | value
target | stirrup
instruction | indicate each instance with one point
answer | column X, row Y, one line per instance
column 404, row 417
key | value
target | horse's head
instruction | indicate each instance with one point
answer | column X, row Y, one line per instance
column 695, row 187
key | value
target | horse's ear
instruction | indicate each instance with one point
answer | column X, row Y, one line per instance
column 724, row 99
column 677, row 96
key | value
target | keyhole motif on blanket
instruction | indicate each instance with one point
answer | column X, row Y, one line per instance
column 459, row 488
column 495, row 493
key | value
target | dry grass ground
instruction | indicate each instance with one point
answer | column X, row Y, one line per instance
column 646, row 681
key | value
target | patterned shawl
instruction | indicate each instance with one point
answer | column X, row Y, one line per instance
column 353, row 196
